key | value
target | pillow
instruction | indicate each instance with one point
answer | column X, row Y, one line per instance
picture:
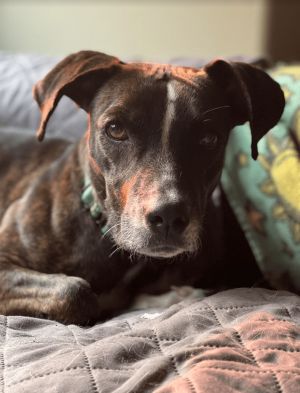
column 265, row 195
column 18, row 74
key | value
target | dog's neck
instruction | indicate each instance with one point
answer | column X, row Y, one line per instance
column 88, row 195
column 93, row 206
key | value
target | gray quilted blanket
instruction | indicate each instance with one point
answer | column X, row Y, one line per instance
column 242, row 340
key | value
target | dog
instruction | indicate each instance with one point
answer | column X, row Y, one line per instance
column 128, row 208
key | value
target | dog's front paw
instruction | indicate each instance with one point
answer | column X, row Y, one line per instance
column 73, row 301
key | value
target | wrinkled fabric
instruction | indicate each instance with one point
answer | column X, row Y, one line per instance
column 18, row 74
column 242, row 340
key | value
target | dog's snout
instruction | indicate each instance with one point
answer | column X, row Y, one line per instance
column 168, row 218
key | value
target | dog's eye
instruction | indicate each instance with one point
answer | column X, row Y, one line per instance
column 116, row 131
column 209, row 141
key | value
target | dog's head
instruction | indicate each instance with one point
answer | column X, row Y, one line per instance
column 157, row 137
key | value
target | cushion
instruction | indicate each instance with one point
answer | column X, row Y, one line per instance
column 265, row 195
column 18, row 74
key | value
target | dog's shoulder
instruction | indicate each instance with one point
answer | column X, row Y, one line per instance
column 18, row 146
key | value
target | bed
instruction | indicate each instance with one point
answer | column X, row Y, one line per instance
column 240, row 340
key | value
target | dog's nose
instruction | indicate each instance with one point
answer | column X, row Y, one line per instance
column 168, row 218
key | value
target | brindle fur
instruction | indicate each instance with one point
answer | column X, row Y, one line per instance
column 54, row 262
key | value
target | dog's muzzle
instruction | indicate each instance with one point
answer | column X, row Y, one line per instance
column 163, row 232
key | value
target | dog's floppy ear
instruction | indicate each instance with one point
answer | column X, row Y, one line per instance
column 253, row 94
column 78, row 76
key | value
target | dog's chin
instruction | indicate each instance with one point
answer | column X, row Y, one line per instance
column 136, row 240
column 162, row 252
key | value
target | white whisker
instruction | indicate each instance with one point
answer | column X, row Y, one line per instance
column 117, row 249
column 109, row 229
column 215, row 109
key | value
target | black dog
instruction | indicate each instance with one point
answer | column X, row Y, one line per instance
column 143, row 175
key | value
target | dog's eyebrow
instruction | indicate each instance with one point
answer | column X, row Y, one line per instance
column 115, row 110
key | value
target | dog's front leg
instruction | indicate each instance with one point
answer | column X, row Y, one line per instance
column 63, row 298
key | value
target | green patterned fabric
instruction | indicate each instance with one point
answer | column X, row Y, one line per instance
column 265, row 194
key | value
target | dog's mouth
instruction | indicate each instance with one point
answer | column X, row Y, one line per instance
column 137, row 240
column 163, row 251
column 135, row 237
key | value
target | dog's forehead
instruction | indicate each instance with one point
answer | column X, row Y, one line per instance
column 166, row 72
column 140, row 84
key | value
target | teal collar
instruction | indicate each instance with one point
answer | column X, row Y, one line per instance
column 95, row 209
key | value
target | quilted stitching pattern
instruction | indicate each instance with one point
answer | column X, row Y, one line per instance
column 243, row 340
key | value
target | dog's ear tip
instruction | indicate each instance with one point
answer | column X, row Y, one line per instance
column 40, row 133
column 39, row 137
column 254, row 151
